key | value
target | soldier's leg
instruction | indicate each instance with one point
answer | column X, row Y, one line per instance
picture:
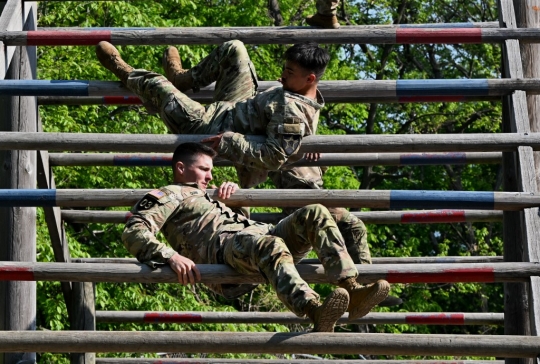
column 354, row 233
column 313, row 227
column 180, row 113
column 228, row 65
column 351, row 228
column 250, row 253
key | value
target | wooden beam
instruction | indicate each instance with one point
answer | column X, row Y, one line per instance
column 83, row 317
column 518, row 121
column 389, row 199
column 374, row 318
column 270, row 35
column 18, row 240
column 53, row 219
column 368, row 217
column 166, row 143
column 345, row 91
column 281, row 361
column 375, row 260
column 312, row 273
column 327, row 159
column 241, row 342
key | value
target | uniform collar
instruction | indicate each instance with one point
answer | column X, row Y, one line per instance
column 316, row 104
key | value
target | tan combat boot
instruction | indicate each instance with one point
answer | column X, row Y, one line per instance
column 364, row 298
column 172, row 65
column 110, row 59
column 325, row 315
column 323, row 21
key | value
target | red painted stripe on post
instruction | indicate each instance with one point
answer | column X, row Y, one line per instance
column 486, row 275
column 16, row 274
column 443, row 216
column 121, row 100
column 179, row 318
column 404, row 99
column 127, row 216
column 440, row 36
column 436, row 319
column 42, row 38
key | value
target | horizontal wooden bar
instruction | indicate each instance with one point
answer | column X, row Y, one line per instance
column 491, row 24
column 375, row 260
column 374, row 318
column 389, row 199
column 312, row 273
column 327, row 159
column 281, row 361
column 166, row 143
column 259, row 342
column 368, row 217
column 269, row 35
column 206, row 97
column 431, row 90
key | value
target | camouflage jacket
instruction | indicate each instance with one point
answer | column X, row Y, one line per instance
column 190, row 221
column 284, row 117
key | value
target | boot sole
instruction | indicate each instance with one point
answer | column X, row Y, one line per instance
column 335, row 306
column 371, row 301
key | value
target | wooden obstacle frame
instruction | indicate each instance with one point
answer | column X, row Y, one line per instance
column 514, row 148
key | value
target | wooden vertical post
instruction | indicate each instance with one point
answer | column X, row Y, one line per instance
column 83, row 317
column 522, row 173
column 18, row 240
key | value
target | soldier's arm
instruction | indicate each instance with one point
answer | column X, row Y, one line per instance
column 149, row 216
column 284, row 135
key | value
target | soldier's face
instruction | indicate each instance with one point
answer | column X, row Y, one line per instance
column 199, row 171
column 295, row 78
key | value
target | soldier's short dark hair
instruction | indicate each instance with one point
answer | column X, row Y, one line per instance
column 188, row 152
column 309, row 56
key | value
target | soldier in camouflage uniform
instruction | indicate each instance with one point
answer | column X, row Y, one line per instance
column 203, row 231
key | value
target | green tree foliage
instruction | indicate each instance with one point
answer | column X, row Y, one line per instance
column 349, row 62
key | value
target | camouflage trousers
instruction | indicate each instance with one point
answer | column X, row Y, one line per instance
column 327, row 7
column 274, row 254
column 352, row 228
column 228, row 65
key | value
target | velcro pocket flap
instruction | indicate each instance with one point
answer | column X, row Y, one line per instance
column 295, row 129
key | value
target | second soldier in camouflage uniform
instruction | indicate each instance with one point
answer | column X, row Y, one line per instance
column 203, row 231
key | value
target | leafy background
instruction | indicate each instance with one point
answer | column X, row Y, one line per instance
column 349, row 62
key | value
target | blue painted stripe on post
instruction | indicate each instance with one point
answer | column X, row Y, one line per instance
column 438, row 25
column 478, row 87
column 433, row 159
column 27, row 198
column 43, row 88
column 441, row 200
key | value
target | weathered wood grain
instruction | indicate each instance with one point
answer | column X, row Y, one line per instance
column 287, row 35
column 368, row 217
column 373, row 318
column 375, row 260
column 327, row 159
column 18, row 238
column 240, row 342
column 281, row 361
column 312, row 273
column 290, row 198
column 403, row 143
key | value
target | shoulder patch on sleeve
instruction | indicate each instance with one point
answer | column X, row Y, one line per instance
column 156, row 193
